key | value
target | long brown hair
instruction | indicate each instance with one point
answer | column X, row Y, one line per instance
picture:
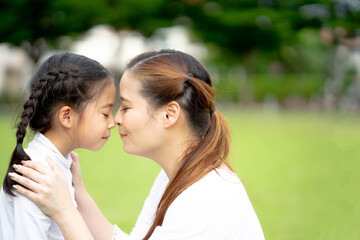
column 169, row 75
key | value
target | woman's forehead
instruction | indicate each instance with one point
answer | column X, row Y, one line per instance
column 129, row 88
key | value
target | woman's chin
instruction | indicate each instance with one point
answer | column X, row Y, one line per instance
column 131, row 151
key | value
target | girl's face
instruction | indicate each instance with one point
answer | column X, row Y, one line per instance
column 93, row 128
column 140, row 127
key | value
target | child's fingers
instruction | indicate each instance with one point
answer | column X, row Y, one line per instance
column 74, row 156
column 52, row 164
column 75, row 166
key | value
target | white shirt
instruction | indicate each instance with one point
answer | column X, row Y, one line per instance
column 215, row 207
column 20, row 218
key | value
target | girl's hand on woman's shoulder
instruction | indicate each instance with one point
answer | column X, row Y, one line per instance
column 76, row 172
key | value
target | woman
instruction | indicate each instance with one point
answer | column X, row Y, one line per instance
column 167, row 114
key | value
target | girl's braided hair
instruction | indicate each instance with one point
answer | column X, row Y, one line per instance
column 63, row 79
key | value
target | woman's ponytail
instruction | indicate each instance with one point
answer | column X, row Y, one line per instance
column 170, row 75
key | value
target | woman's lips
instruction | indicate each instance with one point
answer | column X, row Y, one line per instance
column 123, row 135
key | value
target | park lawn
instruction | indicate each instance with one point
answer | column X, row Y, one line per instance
column 300, row 169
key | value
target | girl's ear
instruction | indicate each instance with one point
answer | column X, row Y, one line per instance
column 171, row 114
column 66, row 116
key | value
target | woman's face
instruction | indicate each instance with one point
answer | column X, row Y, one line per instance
column 140, row 127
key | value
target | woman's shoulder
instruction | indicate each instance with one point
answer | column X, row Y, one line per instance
column 217, row 201
column 160, row 182
column 219, row 189
column 158, row 188
column 219, row 183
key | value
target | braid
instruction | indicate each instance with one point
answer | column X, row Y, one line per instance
column 38, row 91
column 30, row 107
column 19, row 154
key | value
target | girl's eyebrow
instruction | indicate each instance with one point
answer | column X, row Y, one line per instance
column 107, row 105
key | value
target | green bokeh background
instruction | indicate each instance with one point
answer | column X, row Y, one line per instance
column 300, row 169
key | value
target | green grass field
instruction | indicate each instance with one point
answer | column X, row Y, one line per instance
column 301, row 171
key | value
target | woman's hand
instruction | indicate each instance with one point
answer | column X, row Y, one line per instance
column 47, row 187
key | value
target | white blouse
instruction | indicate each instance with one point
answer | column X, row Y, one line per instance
column 215, row 207
column 20, row 218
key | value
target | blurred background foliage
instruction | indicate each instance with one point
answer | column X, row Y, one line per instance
column 283, row 53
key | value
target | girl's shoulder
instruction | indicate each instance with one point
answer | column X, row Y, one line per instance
column 41, row 147
column 37, row 152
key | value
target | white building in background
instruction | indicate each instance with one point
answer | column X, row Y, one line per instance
column 178, row 38
column 114, row 48
column 103, row 43
column 16, row 68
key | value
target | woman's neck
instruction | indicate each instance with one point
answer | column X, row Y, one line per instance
column 171, row 154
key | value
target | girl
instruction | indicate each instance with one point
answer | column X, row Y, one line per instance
column 69, row 95
column 167, row 114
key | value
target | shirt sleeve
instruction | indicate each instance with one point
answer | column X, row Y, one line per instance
column 30, row 221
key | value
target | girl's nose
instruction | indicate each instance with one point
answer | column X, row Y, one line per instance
column 111, row 123
column 117, row 118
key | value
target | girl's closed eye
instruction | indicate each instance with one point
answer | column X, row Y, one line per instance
column 124, row 109
column 106, row 115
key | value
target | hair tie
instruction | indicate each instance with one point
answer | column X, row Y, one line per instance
column 212, row 111
column 188, row 77
column 19, row 145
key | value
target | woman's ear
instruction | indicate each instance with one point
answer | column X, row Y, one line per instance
column 66, row 116
column 171, row 113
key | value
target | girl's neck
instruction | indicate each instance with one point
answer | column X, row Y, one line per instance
column 61, row 141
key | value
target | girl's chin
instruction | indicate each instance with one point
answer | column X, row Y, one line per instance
column 96, row 147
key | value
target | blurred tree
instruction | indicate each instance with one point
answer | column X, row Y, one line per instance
column 236, row 25
column 29, row 22
column 238, row 30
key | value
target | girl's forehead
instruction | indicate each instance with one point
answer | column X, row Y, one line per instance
column 106, row 97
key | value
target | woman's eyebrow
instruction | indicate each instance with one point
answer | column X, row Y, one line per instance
column 123, row 99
